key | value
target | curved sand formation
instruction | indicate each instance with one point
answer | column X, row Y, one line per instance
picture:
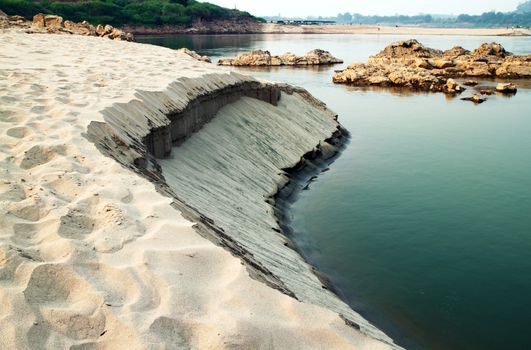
column 91, row 256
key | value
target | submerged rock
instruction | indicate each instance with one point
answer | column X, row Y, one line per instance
column 471, row 83
column 508, row 88
column 475, row 98
column 264, row 58
column 486, row 91
column 410, row 64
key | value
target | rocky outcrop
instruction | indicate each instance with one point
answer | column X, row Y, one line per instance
column 264, row 58
column 194, row 55
column 8, row 21
column 410, row 64
column 47, row 23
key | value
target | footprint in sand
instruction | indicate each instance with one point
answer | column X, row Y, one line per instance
column 76, row 225
column 39, row 109
column 172, row 331
column 30, row 231
column 18, row 132
column 65, row 302
column 30, row 209
column 36, row 155
column 10, row 260
column 8, row 116
column 11, row 192
column 64, row 187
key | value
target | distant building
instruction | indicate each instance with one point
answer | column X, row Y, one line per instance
column 304, row 22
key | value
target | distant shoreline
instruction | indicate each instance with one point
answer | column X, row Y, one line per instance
column 273, row 28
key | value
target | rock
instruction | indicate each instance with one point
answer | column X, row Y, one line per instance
column 276, row 61
column 117, row 34
column 100, row 30
column 403, row 52
column 515, row 67
column 107, row 29
column 83, row 28
column 486, row 91
column 253, row 58
column 264, row 58
column 45, row 23
column 2, row 14
column 456, row 51
column 42, row 20
column 508, row 88
column 474, row 98
column 319, row 56
column 53, row 21
column 410, row 64
column 470, row 83
column 194, row 55
column 422, row 63
column 453, row 87
column 493, row 49
column 289, row 59
column 16, row 18
column 38, row 20
column 474, row 69
column 441, row 63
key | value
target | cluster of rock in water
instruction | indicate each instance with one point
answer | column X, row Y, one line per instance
column 264, row 58
column 45, row 23
column 412, row 65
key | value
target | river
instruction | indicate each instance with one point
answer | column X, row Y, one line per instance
column 423, row 224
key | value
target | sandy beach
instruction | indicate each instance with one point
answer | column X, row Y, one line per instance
column 91, row 255
column 272, row 28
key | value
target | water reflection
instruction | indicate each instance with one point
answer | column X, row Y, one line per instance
column 201, row 43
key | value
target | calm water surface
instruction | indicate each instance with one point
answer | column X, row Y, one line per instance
column 424, row 222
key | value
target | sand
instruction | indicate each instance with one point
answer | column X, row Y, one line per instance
column 386, row 30
column 91, row 256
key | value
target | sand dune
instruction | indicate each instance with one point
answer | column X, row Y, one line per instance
column 91, row 256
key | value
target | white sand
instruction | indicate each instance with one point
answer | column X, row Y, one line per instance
column 90, row 255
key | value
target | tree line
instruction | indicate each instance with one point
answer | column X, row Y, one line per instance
column 151, row 13
column 521, row 17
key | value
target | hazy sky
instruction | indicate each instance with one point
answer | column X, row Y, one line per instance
column 303, row 8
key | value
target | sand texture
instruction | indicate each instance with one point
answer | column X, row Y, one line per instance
column 91, row 256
